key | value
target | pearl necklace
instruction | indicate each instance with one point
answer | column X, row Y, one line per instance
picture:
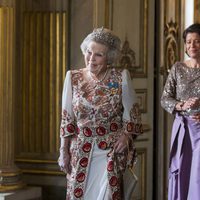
column 100, row 80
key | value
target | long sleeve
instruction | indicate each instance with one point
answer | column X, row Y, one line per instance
column 131, row 114
column 67, row 126
column 168, row 99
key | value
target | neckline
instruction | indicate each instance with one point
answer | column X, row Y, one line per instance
column 192, row 68
column 99, row 80
column 188, row 63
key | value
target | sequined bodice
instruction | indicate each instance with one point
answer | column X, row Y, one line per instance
column 183, row 83
column 188, row 82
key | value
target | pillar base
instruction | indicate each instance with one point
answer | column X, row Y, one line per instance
column 10, row 179
column 27, row 193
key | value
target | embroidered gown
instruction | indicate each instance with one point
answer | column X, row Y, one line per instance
column 184, row 168
column 94, row 118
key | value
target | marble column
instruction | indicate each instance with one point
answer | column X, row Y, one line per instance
column 10, row 175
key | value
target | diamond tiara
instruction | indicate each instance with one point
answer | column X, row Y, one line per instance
column 106, row 37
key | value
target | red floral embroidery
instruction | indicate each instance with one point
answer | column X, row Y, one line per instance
column 113, row 127
column 78, row 192
column 87, row 131
column 77, row 130
column 102, row 145
column 80, row 177
column 87, row 147
column 84, row 162
column 70, row 128
column 113, row 181
column 130, row 127
column 101, row 130
column 116, row 196
column 110, row 166
column 106, row 107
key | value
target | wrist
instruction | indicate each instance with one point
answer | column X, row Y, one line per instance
column 180, row 106
column 128, row 135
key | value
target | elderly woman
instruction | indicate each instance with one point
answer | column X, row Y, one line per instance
column 100, row 119
column 181, row 96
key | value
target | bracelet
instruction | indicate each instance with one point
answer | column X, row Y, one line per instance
column 181, row 105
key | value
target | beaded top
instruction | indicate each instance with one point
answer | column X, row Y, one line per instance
column 182, row 83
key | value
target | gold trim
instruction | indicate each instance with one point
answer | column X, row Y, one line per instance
column 31, row 64
column 6, row 188
column 58, row 76
column 171, row 46
column 46, row 172
column 45, row 62
column 143, row 40
column 145, row 36
column 39, row 73
column 64, row 33
column 95, row 10
column 139, row 92
column 25, row 118
column 107, row 13
column 196, row 11
column 36, row 161
column 9, row 174
column 10, row 179
column 52, row 65
column 143, row 153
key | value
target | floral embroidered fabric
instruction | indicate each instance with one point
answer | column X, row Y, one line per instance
column 98, row 114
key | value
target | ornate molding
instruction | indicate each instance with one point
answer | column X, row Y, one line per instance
column 127, row 59
column 171, row 46
column 140, row 169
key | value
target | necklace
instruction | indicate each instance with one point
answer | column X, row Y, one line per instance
column 100, row 80
column 193, row 65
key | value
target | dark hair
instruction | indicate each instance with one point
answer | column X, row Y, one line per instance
column 194, row 28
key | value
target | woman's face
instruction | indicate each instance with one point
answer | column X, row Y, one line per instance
column 193, row 45
column 96, row 57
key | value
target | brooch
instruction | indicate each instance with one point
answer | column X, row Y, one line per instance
column 113, row 86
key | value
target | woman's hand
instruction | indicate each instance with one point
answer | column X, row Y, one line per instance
column 191, row 103
column 122, row 143
column 64, row 160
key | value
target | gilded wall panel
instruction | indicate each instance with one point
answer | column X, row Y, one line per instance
column 140, row 170
column 81, row 23
column 132, row 26
column 44, row 60
column 169, row 50
column 6, row 87
column 197, row 11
